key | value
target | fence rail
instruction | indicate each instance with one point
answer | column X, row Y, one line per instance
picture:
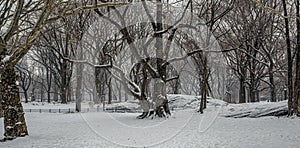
column 69, row 110
column 72, row 110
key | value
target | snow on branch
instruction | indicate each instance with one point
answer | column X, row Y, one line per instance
column 197, row 51
column 89, row 63
column 173, row 78
column 150, row 68
column 124, row 80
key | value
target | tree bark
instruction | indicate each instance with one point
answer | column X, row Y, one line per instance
column 290, row 60
column 79, row 75
column 161, row 69
column 55, row 95
column 204, row 85
column 109, row 92
column 242, row 92
column 63, row 87
column 63, row 95
column 49, row 84
column 126, row 96
column 42, row 86
column 252, row 70
column 32, row 94
column 69, row 92
column 99, row 83
column 177, row 86
column 26, row 96
column 297, row 81
column 14, row 121
column 272, row 87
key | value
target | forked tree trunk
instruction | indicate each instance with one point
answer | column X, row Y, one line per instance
column 14, row 121
column 159, row 104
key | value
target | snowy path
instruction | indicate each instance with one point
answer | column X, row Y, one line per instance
column 183, row 129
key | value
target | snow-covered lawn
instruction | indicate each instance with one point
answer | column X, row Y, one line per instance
column 185, row 128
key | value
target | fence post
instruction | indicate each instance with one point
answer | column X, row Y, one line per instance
column 40, row 110
column 49, row 110
column 59, row 110
column 69, row 110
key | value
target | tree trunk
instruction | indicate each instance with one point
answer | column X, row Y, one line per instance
column 160, row 99
column 159, row 47
column 79, row 75
column 55, row 95
column 120, row 92
column 69, row 92
column 99, row 81
column 48, row 97
column 126, row 96
column 204, row 85
column 49, row 84
column 177, row 86
column 252, row 71
column 272, row 87
column 1, row 111
column 252, row 92
column 42, row 90
column 242, row 92
column 63, row 95
column 32, row 95
column 109, row 92
column 26, row 96
column 63, row 87
column 290, row 60
column 297, row 81
column 14, row 121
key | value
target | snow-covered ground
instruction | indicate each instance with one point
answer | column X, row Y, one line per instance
column 185, row 128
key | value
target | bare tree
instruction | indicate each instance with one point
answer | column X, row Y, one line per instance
column 21, row 24
column 25, row 77
column 159, row 33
